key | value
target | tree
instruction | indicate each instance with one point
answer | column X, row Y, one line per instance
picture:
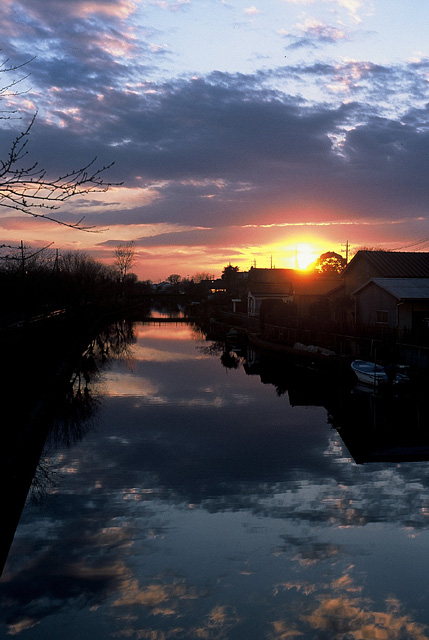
column 375, row 248
column 24, row 259
column 26, row 187
column 330, row 262
column 125, row 258
column 201, row 276
column 229, row 273
column 229, row 276
column 174, row 279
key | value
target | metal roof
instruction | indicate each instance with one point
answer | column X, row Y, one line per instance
column 402, row 288
column 395, row 264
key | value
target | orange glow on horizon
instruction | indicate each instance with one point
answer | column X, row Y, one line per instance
column 295, row 255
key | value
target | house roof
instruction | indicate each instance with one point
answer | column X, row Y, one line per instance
column 394, row 264
column 315, row 285
column 269, row 276
column 402, row 288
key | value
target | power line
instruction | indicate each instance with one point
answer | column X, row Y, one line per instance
column 422, row 241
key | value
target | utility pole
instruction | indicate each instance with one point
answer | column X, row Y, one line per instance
column 56, row 264
column 347, row 251
column 22, row 257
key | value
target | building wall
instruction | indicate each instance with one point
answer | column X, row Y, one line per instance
column 371, row 300
column 358, row 274
column 254, row 302
column 252, row 309
column 413, row 315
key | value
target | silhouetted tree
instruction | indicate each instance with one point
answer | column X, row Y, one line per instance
column 85, row 279
column 229, row 272
column 229, row 276
column 201, row 276
column 174, row 279
column 375, row 248
column 330, row 262
column 125, row 258
column 24, row 259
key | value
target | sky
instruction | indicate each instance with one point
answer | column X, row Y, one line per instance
column 243, row 133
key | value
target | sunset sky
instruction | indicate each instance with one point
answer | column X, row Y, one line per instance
column 243, row 133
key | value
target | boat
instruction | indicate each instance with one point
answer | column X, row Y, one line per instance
column 369, row 372
column 402, row 374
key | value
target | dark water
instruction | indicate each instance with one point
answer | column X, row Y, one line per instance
column 200, row 501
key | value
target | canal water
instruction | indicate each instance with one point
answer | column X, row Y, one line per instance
column 201, row 493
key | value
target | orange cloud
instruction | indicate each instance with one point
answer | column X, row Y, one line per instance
column 122, row 9
column 343, row 616
column 340, row 612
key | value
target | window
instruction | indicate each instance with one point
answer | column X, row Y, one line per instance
column 382, row 317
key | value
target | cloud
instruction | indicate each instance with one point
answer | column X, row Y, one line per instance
column 171, row 5
column 251, row 11
column 316, row 140
column 355, row 7
column 227, row 149
column 315, row 33
column 202, row 150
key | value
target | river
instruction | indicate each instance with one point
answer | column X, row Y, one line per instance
column 199, row 494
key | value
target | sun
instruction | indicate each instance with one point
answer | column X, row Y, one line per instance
column 305, row 256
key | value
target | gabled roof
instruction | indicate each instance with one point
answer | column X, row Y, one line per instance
column 402, row 288
column 269, row 276
column 394, row 264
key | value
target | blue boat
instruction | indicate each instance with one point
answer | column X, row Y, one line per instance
column 369, row 372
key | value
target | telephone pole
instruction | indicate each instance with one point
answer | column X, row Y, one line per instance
column 347, row 251
column 22, row 257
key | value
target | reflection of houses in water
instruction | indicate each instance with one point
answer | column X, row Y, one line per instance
column 383, row 427
column 387, row 426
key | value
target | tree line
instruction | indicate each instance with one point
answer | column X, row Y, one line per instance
column 37, row 281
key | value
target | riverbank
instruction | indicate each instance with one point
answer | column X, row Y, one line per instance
column 327, row 351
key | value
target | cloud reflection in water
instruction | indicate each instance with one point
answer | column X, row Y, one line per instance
column 220, row 512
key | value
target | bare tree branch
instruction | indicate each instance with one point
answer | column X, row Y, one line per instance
column 28, row 189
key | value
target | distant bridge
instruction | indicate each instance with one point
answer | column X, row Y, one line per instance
column 161, row 320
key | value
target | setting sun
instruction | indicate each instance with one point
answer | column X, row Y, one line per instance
column 305, row 255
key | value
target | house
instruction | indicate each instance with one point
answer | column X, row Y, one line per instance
column 366, row 265
column 312, row 288
column 397, row 303
column 217, row 286
column 288, row 285
column 268, row 284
